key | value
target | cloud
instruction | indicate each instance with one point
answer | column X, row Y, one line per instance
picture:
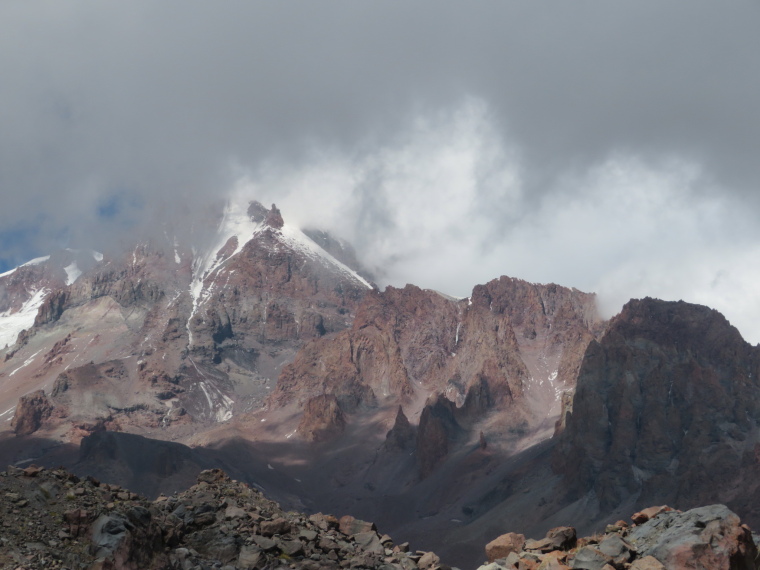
column 610, row 147
column 446, row 206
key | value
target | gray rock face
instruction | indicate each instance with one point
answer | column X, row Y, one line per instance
column 665, row 406
column 590, row 558
column 707, row 537
column 108, row 533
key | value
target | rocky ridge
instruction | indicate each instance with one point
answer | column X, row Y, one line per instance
column 448, row 363
column 53, row 519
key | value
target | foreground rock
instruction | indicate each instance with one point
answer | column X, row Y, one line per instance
column 705, row 538
column 53, row 519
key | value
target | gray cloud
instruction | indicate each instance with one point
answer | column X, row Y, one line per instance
column 606, row 146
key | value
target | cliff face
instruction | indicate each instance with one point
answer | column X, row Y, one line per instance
column 667, row 406
column 508, row 353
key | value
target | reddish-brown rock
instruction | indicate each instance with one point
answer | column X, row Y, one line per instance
column 322, row 418
column 31, row 410
column 647, row 563
column 513, row 346
column 350, row 526
column 649, row 513
column 501, row 546
column 274, row 218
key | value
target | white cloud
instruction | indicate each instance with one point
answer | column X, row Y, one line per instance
column 445, row 206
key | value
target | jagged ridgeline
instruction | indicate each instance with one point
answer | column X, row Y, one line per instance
column 267, row 350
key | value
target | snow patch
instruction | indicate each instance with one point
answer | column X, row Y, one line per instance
column 235, row 223
column 35, row 261
column 299, row 241
column 219, row 404
column 238, row 224
column 97, row 256
column 72, row 273
column 13, row 323
column 177, row 259
column 26, row 363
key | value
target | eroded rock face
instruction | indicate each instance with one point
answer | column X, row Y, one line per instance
column 513, row 345
column 322, row 419
column 664, row 407
column 437, row 427
column 31, row 411
column 402, row 434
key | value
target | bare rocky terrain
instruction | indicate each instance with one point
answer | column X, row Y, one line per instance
column 54, row 519
column 267, row 351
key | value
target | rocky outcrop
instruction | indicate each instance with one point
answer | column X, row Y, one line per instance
column 704, row 538
column 402, row 435
column 274, row 218
column 31, row 410
column 410, row 335
column 60, row 520
column 322, row 419
column 513, row 347
column 438, row 426
column 665, row 408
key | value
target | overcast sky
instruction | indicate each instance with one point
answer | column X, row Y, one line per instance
column 607, row 146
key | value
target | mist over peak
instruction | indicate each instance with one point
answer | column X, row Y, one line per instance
column 606, row 148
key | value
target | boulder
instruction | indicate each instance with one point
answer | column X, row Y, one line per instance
column 616, row 548
column 707, row 537
column 562, row 538
column 369, row 542
column 32, row 409
column 590, row 558
column 647, row 563
column 276, row 526
column 501, row 546
column 350, row 526
column 643, row 516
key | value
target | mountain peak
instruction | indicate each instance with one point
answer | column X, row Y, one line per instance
column 259, row 213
